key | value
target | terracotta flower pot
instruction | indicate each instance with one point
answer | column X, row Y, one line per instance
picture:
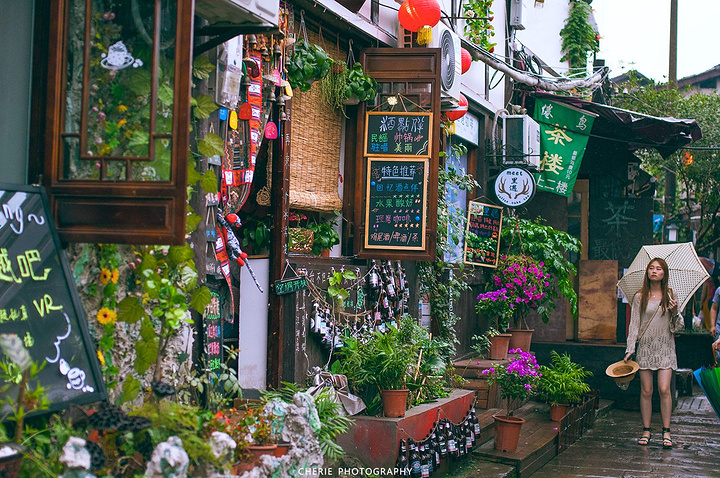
column 281, row 449
column 507, row 432
column 499, row 345
column 521, row 339
column 242, row 467
column 558, row 411
column 394, row 402
column 256, row 451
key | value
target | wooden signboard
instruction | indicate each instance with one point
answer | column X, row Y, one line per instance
column 288, row 286
column 482, row 234
column 396, row 204
column 39, row 302
column 390, row 133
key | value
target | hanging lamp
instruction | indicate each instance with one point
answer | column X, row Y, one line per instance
column 420, row 16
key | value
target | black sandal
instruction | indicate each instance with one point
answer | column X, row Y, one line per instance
column 667, row 442
column 644, row 440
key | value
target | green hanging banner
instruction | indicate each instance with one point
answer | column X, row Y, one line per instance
column 564, row 134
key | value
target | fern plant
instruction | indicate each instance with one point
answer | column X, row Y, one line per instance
column 563, row 381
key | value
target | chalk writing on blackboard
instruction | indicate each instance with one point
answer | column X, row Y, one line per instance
column 288, row 286
column 482, row 234
column 39, row 302
column 396, row 204
column 213, row 333
column 389, row 133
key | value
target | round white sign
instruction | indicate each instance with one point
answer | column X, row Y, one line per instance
column 514, row 187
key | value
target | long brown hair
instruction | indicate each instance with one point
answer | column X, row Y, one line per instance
column 645, row 289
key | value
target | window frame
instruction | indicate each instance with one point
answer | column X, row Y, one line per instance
column 130, row 212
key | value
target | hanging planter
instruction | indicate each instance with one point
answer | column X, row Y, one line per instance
column 360, row 86
column 307, row 63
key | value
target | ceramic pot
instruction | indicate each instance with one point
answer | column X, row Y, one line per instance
column 499, row 345
column 242, row 467
column 521, row 339
column 10, row 464
column 394, row 402
column 558, row 411
column 507, row 432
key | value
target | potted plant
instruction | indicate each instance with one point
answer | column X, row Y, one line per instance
column 259, row 426
column 307, row 64
column 255, row 236
column 562, row 383
column 378, row 362
column 300, row 239
column 324, row 237
column 518, row 286
column 359, row 86
column 492, row 344
column 517, row 380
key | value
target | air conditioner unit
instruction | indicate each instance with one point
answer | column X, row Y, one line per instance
column 250, row 13
column 521, row 141
column 451, row 64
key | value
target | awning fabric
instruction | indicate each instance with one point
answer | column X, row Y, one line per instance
column 638, row 130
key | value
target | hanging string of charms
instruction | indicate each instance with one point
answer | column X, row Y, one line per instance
column 387, row 295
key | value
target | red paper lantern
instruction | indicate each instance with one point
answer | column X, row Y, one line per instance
column 466, row 59
column 417, row 15
column 456, row 114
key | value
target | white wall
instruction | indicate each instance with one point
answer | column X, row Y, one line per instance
column 252, row 360
column 542, row 30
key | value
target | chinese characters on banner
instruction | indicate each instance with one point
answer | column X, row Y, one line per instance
column 395, row 208
column 564, row 134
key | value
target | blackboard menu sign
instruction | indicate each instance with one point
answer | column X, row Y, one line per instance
column 390, row 133
column 39, row 302
column 396, row 204
column 482, row 234
column 213, row 333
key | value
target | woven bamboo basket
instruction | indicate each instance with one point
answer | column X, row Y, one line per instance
column 315, row 146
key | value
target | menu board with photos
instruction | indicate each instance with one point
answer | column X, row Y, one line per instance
column 482, row 234
column 396, row 204
column 39, row 303
column 390, row 133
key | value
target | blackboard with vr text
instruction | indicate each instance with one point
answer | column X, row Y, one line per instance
column 396, row 204
column 390, row 133
column 482, row 234
column 39, row 302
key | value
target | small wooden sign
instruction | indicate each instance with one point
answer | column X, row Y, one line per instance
column 482, row 234
column 391, row 133
column 396, row 204
column 289, row 286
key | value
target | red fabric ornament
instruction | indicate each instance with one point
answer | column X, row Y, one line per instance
column 466, row 59
column 415, row 14
column 456, row 114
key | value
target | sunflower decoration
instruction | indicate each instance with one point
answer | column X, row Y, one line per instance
column 105, row 276
column 106, row 316
column 114, row 275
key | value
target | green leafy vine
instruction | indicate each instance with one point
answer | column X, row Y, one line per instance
column 578, row 36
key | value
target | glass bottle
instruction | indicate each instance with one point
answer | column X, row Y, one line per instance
column 415, row 465
column 402, row 459
column 442, row 441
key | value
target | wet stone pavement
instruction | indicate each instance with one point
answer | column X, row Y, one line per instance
column 610, row 448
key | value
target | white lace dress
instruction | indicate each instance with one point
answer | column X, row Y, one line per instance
column 656, row 349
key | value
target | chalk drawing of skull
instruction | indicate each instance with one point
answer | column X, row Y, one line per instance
column 75, row 376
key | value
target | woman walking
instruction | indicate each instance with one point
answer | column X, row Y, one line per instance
column 654, row 319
